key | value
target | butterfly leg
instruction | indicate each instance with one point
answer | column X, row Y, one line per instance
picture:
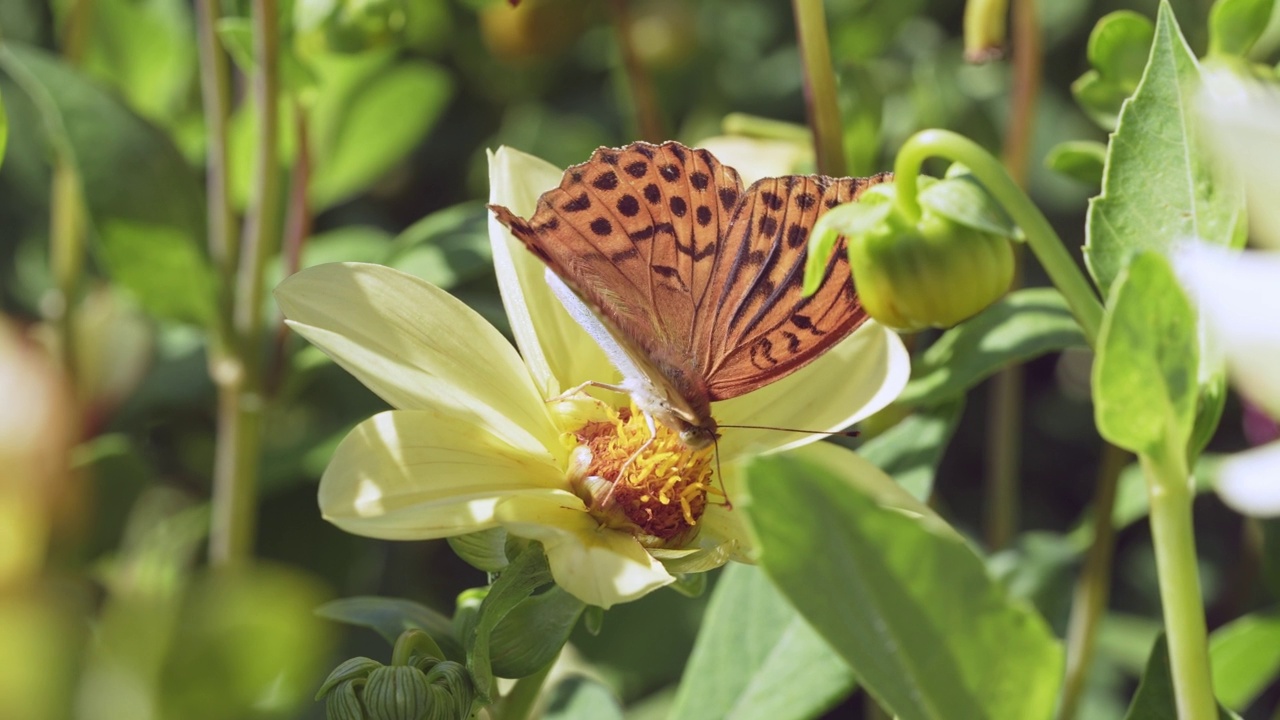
column 580, row 388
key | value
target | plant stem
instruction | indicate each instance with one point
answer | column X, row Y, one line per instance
column 1169, row 485
column 1089, row 601
column 821, row 101
column 1004, row 435
column 215, row 95
column 67, row 254
column 1044, row 242
column 240, row 402
column 297, row 228
column 644, row 102
column 518, row 703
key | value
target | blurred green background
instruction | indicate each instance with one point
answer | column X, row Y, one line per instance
column 401, row 99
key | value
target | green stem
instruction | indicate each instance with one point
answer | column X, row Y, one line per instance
column 1169, row 484
column 644, row 101
column 518, row 703
column 1089, row 601
column 215, row 95
column 241, row 398
column 67, row 253
column 1044, row 242
column 821, row 101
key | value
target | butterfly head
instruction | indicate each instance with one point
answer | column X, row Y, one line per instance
column 696, row 437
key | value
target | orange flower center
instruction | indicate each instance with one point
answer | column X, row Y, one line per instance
column 650, row 483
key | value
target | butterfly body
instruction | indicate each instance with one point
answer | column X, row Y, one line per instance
column 690, row 283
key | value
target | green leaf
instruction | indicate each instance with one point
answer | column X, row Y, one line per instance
column 1082, row 160
column 1158, row 187
column 910, row 450
column 1154, row 699
column 1118, row 48
column 1235, row 25
column 391, row 616
column 446, row 248
column 365, row 123
column 962, row 199
column 582, row 698
column 1144, row 378
column 1245, row 656
column 1133, row 501
column 161, row 266
column 531, row 636
column 755, row 657
column 855, row 218
column 145, row 50
column 898, row 593
column 525, row 574
column 142, row 198
column 1023, row 325
column 236, row 36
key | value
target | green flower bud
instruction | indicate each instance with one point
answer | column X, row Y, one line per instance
column 937, row 270
column 397, row 693
column 342, row 702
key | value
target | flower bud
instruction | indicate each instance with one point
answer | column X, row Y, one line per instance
column 342, row 702
column 937, row 270
column 397, row 693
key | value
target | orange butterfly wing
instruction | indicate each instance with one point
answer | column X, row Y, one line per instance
column 761, row 328
column 702, row 277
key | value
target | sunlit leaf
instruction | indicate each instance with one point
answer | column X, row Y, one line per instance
column 581, row 698
column 756, row 658
column 910, row 450
column 899, row 595
column 1118, row 48
column 1079, row 159
column 533, row 633
column 1144, row 378
column 1159, row 187
column 1245, row 657
column 1024, row 324
column 141, row 196
column 1235, row 25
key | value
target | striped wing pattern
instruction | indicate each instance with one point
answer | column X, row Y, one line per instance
column 702, row 277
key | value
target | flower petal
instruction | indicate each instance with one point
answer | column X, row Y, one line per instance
column 559, row 353
column 421, row 474
column 417, row 347
column 1243, row 124
column 1249, row 481
column 853, row 380
column 1238, row 294
column 596, row 565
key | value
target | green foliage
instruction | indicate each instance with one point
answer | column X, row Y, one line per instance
column 1118, row 48
column 581, row 698
column 1154, row 699
column 1159, row 187
column 1024, row 325
column 1235, row 25
column 1245, row 654
column 911, row 449
column 756, row 658
column 878, row 582
column 392, row 616
column 1144, row 380
column 1083, row 160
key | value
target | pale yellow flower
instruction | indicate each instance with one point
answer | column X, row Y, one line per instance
column 476, row 442
column 1238, row 293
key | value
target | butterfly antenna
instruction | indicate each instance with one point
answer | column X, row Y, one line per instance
column 841, row 433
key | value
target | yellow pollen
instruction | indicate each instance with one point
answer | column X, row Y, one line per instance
column 653, row 484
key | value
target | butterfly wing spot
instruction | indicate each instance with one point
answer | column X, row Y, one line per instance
column 609, row 158
column 624, row 255
column 728, row 198
column 601, row 227
column 643, row 234
column 628, row 205
column 796, row 236
column 804, row 201
column 678, row 206
column 652, row 194
column 605, row 181
column 670, row 173
column 771, row 200
column 768, row 225
column 578, row 204
column 703, row 214
column 699, row 180
column 637, row 169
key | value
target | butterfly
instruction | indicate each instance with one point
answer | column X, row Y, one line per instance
column 691, row 284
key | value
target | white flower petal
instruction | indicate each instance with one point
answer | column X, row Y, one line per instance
column 852, row 381
column 755, row 158
column 1238, row 294
column 420, row 474
column 1243, row 124
column 560, row 354
column 1249, row 481
column 417, row 347
column 596, row 565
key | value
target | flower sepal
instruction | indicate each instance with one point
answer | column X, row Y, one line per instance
column 937, row 268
